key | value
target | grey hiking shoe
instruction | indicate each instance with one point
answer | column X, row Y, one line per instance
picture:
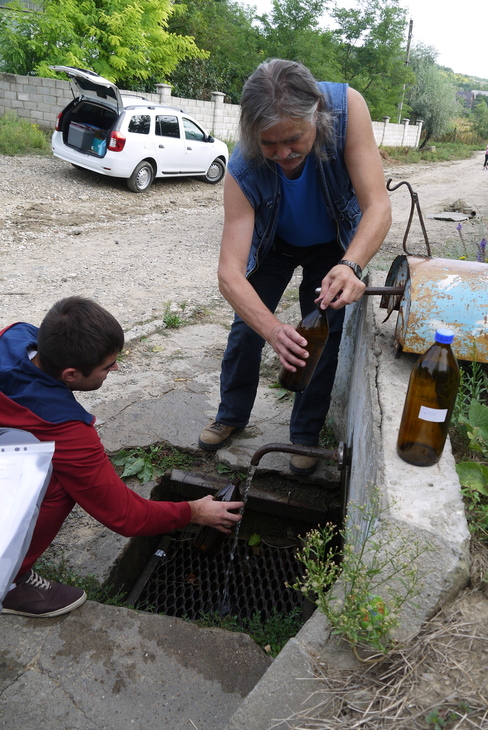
column 40, row 598
column 215, row 435
column 303, row 465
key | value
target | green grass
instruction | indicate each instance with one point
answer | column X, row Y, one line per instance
column 20, row 137
column 444, row 152
column 271, row 635
column 59, row 571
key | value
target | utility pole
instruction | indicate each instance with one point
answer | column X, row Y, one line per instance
column 407, row 57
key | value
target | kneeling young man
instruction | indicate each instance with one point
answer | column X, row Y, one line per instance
column 75, row 348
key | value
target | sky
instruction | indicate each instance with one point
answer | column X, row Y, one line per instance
column 459, row 33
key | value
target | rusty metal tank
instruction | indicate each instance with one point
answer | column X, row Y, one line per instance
column 430, row 292
column 440, row 293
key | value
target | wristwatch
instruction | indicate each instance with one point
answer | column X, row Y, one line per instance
column 352, row 265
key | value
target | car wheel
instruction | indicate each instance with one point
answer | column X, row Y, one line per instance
column 215, row 172
column 141, row 178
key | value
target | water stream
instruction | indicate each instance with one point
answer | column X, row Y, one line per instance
column 225, row 607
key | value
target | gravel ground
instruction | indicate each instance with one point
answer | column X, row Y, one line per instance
column 65, row 231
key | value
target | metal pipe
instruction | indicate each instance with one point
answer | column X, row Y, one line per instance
column 338, row 454
column 393, row 290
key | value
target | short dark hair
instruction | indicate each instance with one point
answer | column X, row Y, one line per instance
column 77, row 333
column 279, row 90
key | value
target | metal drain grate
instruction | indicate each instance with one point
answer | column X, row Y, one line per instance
column 185, row 583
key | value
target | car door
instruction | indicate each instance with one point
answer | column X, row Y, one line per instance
column 170, row 144
column 198, row 152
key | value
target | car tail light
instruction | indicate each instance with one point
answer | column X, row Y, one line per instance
column 116, row 142
column 58, row 122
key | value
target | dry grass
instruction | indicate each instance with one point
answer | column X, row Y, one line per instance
column 437, row 680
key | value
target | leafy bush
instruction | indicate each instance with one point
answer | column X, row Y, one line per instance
column 469, row 431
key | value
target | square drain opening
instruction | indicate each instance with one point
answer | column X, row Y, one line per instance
column 182, row 582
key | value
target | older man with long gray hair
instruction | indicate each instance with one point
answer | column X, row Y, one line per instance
column 305, row 188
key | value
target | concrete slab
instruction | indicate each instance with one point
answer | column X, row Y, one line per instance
column 113, row 668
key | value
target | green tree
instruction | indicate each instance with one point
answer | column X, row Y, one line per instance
column 371, row 52
column 433, row 96
column 292, row 31
column 126, row 41
column 234, row 44
column 479, row 118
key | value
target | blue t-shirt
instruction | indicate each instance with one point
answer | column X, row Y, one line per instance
column 303, row 219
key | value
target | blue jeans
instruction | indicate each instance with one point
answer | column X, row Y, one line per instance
column 239, row 376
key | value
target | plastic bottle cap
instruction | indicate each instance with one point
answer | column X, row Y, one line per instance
column 444, row 335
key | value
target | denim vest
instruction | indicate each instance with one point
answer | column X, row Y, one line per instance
column 260, row 183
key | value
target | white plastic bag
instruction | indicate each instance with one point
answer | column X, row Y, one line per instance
column 25, row 469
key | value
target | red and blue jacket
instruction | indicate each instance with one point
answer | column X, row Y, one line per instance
column 34, row 401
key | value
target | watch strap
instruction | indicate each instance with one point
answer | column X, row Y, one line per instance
column 352, row 265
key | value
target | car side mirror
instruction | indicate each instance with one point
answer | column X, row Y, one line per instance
column 210, row 138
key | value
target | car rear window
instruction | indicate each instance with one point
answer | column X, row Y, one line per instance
column 140, row 124
column 167, row 126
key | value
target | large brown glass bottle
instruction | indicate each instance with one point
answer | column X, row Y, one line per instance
column 315, row 329
column 429, row 403
column 208, row 540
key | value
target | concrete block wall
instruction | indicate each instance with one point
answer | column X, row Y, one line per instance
column 405, row 134
column 40, row 100
column 34, row 98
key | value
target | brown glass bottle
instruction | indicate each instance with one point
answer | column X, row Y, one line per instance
column 315, row 329
column 208, row 540
column 429, row 403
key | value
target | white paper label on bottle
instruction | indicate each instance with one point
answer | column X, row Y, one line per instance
column 435, row 415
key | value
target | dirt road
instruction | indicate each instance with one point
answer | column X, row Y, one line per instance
column 64, row 231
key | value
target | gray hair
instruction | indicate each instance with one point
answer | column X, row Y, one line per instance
column 278, row 90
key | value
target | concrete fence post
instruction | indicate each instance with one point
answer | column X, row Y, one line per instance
column 217, row 98
column 164, row 92
column 419, row 124
column 384, row 138
column 405, row 123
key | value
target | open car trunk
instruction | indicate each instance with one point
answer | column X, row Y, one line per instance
column 87, row 121
column 86, row 127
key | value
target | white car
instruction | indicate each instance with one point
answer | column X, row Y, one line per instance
column 131, row 137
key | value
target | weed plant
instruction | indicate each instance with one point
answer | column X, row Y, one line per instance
column 59, row 571
column 469, row 435
column 172, row 320
column 270, row 634
column 150, row 462
column 362, row 586
column 19, row 136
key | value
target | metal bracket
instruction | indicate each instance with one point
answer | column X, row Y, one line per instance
column 414, row 206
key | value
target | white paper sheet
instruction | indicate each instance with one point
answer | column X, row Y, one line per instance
column 24, row 476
